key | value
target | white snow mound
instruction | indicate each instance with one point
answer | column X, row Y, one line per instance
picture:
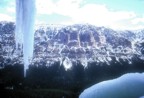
column 129, row 85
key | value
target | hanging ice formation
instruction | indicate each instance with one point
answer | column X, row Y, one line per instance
column 24, row 34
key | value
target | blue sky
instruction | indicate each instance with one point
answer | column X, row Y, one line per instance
column 116, row 14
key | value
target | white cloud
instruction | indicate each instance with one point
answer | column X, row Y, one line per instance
column 63, row 7
column 80, row 12
column 11, row 10
column 45, row 6
column 67, row 7
column 138, row 20
column 90, row 13
column 100, row 15
column 5, row 17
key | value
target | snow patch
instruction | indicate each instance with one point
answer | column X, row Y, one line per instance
column 129, row 85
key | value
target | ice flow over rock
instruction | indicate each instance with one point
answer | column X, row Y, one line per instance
column 24, row 34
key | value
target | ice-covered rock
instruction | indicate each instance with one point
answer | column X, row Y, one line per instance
column 129, row 85
column 79, row 42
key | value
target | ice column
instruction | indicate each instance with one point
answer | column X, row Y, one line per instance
column 24, row 34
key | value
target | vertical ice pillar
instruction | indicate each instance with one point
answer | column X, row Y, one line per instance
column 19, row 23
column 24, row 34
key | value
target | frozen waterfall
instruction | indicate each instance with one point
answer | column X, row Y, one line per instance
column 24, row 34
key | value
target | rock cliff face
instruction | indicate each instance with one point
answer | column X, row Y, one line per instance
column 82, row 42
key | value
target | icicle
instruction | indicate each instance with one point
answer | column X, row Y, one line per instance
column 24, row 34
